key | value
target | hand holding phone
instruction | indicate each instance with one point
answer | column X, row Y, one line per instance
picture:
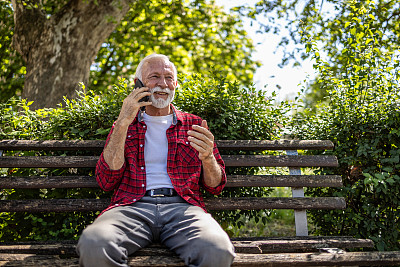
column 139, row 84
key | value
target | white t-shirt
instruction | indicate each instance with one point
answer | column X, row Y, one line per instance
column 156, row 151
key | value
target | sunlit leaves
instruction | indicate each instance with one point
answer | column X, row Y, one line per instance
column 362, row 118
column 196, row 35
column 12, row 70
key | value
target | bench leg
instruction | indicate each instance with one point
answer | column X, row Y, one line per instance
column 300, row 216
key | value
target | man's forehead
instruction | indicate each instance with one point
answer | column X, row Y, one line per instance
column 156, row 65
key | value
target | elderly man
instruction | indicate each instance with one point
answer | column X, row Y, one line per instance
column 155, row 161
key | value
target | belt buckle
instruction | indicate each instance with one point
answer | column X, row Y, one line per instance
column 155, row 195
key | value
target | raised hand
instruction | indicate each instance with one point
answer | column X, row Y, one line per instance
column 202, row 140
column 131, row 105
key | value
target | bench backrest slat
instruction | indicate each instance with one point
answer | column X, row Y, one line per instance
column 234, row 203
column 233, row 181
column 222, row 144
column 230, row 161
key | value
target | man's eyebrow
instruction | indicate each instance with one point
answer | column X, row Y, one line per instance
column 169, row 72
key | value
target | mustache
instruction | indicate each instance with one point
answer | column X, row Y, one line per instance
column 159, row 89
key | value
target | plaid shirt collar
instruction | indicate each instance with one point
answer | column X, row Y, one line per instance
column 176, row 116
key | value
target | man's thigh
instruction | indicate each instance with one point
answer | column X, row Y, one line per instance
column 128, row 227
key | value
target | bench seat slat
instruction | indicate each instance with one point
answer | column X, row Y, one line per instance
column 233, row 181
column 230, row 161
column 383, row 258
column 387, row 258
column 260, row 203
column 222, row 144
column 250, row 245
column 243, row 203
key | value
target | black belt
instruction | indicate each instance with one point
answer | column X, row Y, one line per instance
column 161, row 192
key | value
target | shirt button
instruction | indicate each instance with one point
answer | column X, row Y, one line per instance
column 134, row 200
column 144, row 126
column 142, row 168
column 141, row 145
column 187, row 142
column 142, row 185
column 129, row 136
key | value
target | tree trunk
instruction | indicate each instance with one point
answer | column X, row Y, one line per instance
column 59, row 50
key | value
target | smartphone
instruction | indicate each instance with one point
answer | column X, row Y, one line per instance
column 139, row 84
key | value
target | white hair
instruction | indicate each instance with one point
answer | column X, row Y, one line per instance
column 139, row 69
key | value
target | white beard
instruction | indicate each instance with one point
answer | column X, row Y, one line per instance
column 160, row 102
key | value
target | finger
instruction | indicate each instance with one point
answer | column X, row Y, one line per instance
column 139, row 90
column 199, row 142
column 203, row 152
column 202, row 130
column 204, row 124
column 199, row 149
column 141, row 95
column 200, row 136
column 203, row 146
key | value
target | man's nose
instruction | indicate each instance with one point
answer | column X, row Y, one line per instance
column 162, row 82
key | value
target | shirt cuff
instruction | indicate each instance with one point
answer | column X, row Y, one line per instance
column 104, row 168
column 218, row 189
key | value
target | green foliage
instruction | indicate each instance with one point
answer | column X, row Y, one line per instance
column 329, row 18
column 197, row 35
column 362, row 119
column 90, row 116
column 330, row 21
column 12, row 70
column 267, row 222
column 232, row 111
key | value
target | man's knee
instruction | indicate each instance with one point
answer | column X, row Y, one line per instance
column 212, row 255
column 215, row 250
column 94, row 236
column 97, row 245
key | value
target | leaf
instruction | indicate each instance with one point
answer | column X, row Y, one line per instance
column 103, row 131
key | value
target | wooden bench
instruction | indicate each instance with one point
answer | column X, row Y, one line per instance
column 301, row 250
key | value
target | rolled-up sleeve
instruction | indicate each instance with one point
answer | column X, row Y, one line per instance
column 218, row 189
column 106, row 178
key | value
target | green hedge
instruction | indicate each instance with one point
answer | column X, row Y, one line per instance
column 362, row 118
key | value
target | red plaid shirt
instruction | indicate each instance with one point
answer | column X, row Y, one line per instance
column 183, row 164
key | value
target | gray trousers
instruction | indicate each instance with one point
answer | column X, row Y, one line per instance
column 185, row 229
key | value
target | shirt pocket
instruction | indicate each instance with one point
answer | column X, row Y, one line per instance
column 131, row 143
column 186, row 154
